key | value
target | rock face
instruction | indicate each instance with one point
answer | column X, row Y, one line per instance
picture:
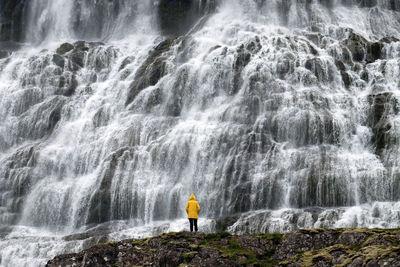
column 317, row 247
column 11, row 19
column 151, row 71
column 178, row 16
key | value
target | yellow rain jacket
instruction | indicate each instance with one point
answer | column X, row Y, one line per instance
column 192, row 208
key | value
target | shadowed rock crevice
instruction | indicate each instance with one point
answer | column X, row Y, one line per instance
column 177, row 17
column 12, row 15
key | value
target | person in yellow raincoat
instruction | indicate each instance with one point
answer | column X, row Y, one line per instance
column 192, row 210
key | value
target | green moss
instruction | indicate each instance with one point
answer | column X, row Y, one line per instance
column 223, row 234
column 309, row 258
column 217, row 236
column 140, row 242
column 234, row 244
column 176, row 235
column 374, row 252
column 188, row 256
column 212, row 236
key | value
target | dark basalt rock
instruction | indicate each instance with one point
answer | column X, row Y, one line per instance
column 389, row 40
column 223, row 223
column 361, row 49
column 316, row 66
column 177, row 17
column 151, row 71
column 360, row 3
column 345, row 76
column 368, row 3
column 58, row 60
column 314, row 247
column 64, row 48
column 242, row 59
column 382, row 105
column 100, row 201
column 128, row 60
column 4, row 54
column 12, row 15
column 67, row 84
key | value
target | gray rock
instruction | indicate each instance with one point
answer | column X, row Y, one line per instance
column 58, row 60
column 4, row 54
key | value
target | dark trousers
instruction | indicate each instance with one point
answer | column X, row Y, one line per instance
column 193, row 221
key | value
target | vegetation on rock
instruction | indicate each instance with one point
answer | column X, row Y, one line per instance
column 314, row 247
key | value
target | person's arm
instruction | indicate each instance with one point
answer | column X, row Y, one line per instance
column 198, row 208
column 187, row 208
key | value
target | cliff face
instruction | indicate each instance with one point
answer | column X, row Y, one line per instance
column 11, row 19
column 317, row 247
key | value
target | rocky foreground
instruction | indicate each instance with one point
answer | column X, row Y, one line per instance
column 316, row 247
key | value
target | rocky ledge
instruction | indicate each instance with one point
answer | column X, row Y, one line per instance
column 315, row 247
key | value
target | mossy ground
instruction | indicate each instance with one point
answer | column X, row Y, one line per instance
column 365, row 250
column 341, row 247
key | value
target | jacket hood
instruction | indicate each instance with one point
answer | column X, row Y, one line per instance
column 192, row 197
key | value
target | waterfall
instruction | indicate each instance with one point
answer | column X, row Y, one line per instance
column 277, row 115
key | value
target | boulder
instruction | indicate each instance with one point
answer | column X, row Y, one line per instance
column 64, row 48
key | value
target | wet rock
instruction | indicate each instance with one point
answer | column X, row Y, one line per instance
column 54, row 118
column 374, row 51
column 151, row 71
column 45, row 115
column 77, row 58
column 64, row 48
column 4, row 54
column 223, row 223
column 242, row 59
column 368, row 3
column 58, row 60
column 12, row 15
column 364, row 76
column 101, row 117
column 361, row 49
column 100, row 201
column 128, row 60
column 67, row 84
column 176, row 17
column 389, row 40
column 318, row 68
column 83, row 46
column 382, row 104
column 77, row 54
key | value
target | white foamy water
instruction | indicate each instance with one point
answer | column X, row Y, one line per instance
column 271, row 111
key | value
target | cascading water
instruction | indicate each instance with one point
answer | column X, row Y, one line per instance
column 278, row 115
